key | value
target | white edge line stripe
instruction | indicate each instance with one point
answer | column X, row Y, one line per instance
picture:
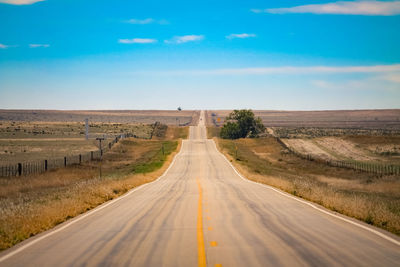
column 311, row 205
column 98, row 208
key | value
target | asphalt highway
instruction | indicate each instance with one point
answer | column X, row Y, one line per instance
column 202, row 213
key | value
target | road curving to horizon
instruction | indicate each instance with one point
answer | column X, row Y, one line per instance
column 202, row 213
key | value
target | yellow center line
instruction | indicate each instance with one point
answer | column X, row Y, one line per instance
column 200, row 235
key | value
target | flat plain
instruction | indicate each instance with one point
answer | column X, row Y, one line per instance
column 22, row 141
column 169, row 117
column 372, row 198
column 366, row 119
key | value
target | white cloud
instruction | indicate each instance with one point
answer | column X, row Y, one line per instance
column 3, row 46
column 370, row 8
column 20, row 2
column 140, row 21
column 369, row 83
column 39, row 45
column 240, row 35
column 392, row 77
column 147, row 21
column 255, row 10
column 184, row 39
column 321, row 83
column 137, row 41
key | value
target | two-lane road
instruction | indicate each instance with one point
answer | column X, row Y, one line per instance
column 202, row 211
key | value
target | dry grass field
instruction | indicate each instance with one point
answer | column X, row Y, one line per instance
column 22, row 141
column 357, row 136
column 32, row 204
column 29, row 135
column 372, row 198
column 369, row 119
column 169, row 117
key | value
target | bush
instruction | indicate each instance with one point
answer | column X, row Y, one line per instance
column 230, row 130
column 240, row 124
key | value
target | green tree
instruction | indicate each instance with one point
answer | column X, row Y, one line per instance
column 241, row 123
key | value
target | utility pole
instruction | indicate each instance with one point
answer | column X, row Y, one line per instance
column 101, row 153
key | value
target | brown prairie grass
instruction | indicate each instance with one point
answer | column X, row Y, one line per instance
column 213, row 132
column 175, row 132
column 103, row 116
column 30, row 205
column 368, row 197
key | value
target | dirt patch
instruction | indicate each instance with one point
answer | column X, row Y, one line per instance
column 385, row 149
column 267, row 156
column 345, row 149
column 308, row 147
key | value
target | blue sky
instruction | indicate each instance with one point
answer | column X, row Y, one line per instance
column 283, row 54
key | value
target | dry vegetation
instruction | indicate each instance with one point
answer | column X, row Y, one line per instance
column 383, row 146
column 32, row 204
column 372, row 198
column 169, row 117
column 213, row 132
column 29, row 135
column 367, row 119
column 27, row 141
column 46, row 130
column 173, row 133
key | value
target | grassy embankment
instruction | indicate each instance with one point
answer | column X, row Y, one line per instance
column 368, row 197
column 30, row 205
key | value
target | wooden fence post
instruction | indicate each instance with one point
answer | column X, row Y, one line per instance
column 65, row 161
column 91, row 155
column 80, row 158
column 19, row 169
column 45, row 165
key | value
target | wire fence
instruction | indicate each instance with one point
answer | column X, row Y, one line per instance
column 370, row 167
column 40, row 166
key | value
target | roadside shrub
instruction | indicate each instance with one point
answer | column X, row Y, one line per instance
column 241, row 123
column 230, row 130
